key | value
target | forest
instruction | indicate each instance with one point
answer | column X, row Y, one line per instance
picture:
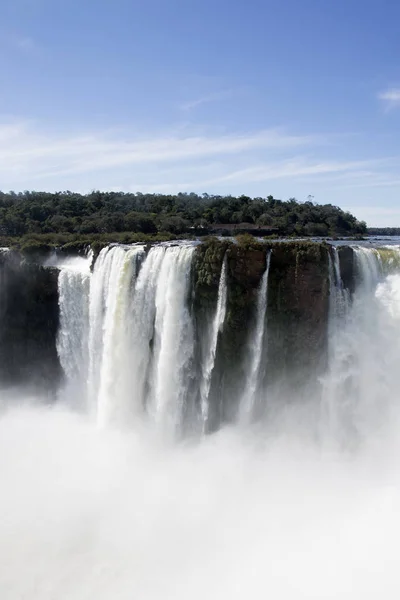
column 69, row 216
column 392, row 231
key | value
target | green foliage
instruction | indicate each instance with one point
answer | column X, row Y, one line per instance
column 102, row 214
column 383, row 231
column 247, row 241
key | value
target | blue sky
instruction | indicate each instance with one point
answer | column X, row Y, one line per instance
column 289, row 97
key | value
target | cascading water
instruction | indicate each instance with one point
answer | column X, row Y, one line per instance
column 339, row 306
column 357, row 385
column 247, row 403
column 173, row 340
column 114, row 402
column 131, row 318
column 72, row 340
column 368, row 264
column 212, row 341
column 127, row 330
column 339, row 297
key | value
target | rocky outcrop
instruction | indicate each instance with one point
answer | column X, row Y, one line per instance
column 28, row 323
column 347, row 267
column 296, row 319
column 298, row 304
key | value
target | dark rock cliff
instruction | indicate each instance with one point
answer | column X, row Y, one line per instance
column 28, row 323
column 296, row 319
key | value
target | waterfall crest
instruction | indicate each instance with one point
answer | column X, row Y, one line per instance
column 127, row 346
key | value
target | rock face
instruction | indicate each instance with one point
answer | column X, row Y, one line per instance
column 28, row 324
column 298, row 305
column 347, row 269
column 295, row 322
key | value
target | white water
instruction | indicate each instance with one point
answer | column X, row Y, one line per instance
column 339, row 296
column 173, row 343
column 114, row 403
column 256, row 350
column 140, row 337
column 363, row 352
column 72, row 340
column 88, row 512
column 369, row 266
column 212, row 342
column 339, row 310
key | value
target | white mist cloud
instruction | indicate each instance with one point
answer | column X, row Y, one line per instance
column 86, row 513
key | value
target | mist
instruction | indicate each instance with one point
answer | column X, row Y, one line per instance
column 87, row 512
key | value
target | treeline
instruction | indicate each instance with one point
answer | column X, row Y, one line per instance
column 383, row 231
column 31, row 213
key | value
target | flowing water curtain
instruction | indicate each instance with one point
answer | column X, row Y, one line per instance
column 173, row 346
column 73, row 335
column 256, row 347
column 109, row 306
column 339, row 310
column 207, row 366
column 115, row 396
column 363, row 353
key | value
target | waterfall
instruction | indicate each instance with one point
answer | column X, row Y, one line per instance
column 72, row 339
column 141, row 336
column 339, row 296
column 212, row 341
column 173, row 339
column 369, row 266
column 339, row 306
column 351, row 398
column 115, row 398
column 97, row 301
column 141, row 324
column 109, row 312
column 127, row 347
column 247, row 403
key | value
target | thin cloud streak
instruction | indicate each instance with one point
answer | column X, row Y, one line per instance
column 214, row 97
column 390, row 98
column 295, row 169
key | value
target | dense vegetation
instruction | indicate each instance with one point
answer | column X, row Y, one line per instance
column 383, row 231
column 69, row 216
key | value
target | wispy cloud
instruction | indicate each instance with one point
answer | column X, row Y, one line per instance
column 25, row 151
column 295, row 169
column 213, row 97
column 25, row 43
column 21, row 43
column 390, row 98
